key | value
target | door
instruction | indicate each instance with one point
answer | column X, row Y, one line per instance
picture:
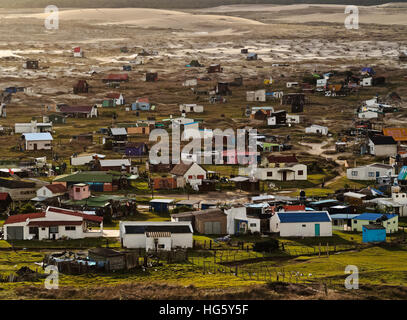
column 216, row 227
column 317, row 229
column 208, row 228
column 15, row 233
column 284, row 175
column 35, row 147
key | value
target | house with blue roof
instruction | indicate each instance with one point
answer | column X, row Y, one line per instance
column 302, row 224
column 37, row 141
column 387, row 220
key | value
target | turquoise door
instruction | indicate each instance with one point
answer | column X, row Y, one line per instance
column 317, row 229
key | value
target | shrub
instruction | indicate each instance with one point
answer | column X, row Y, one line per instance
column 266, row 246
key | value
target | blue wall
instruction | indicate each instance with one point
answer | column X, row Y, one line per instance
column 374, row 235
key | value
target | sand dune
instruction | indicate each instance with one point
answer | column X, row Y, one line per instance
column 388, row 14
column 148, row 18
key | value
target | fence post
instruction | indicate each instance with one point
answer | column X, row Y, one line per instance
column 319, row 248
column 327, row 249
column 210, row 244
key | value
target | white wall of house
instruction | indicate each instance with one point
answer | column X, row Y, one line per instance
column 292, row 118
column 195, row 172
column 38, row 144
column 368, row 172
column 271, row 121
column 258, row 95
column 383, row 150
column 44, row 192
column 368, row 115
column 317, row 129
column 299, row 172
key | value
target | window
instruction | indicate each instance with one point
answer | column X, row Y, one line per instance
column 43, row 229
column 53, row 229
column 161, row 246
column 354, row 173
column 32, row 230
column 189, row 177
column 300, row 172
column 253, row 224
column 70, row 228
column 304, row 225
column 370, row 174
column 269, row 173
column 77, row 189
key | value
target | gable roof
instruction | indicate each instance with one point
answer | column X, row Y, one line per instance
column 41, row 136
column 304, row 216
column 4, row 196
column 373, row 216
column 56, row 188
column 282, row 159
column 181, row 168
column 118, row 131
column 113, row 95
column 76, row 109
column 85, row 216
column 382, row 140
column 23, row 217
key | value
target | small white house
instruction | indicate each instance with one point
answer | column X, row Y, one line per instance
column 239, row 222
column 37, row 141
column 288, row 172
column 317, row 129
column 33, row 127
column 366, row 82
column 292, row 118
column 191, row 108
column 54, row 223
column 321, row 83
column 51, row 190
column 370, row 171
column 191, row 173
column 302, row 224
column 156, row 235
column 258, row 95
column 190, row 82
column 271, row 121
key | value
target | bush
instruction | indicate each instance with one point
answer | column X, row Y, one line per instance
column 266, row 246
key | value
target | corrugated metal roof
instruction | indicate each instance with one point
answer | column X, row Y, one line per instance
column 118, row 131
column 373, row 216
column 41, row 136
column 343, row 216
column 304, row 216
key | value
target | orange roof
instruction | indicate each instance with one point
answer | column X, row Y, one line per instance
column 398, row 134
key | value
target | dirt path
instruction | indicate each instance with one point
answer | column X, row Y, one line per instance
column 317, row 149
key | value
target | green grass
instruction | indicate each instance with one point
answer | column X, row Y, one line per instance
column 74, row 244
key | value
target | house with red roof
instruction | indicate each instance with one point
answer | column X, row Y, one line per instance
column 5, row 201
column 79, row 111
column 77, row 52
column 53, row 223
column 51, row 190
